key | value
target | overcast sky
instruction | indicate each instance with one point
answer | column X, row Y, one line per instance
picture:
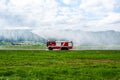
column 91, row 15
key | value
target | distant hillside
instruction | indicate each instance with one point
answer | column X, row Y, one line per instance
column 19, row 35
column 84, row 37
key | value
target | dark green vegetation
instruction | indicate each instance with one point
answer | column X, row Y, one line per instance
column 22, row 45
column 59, row 65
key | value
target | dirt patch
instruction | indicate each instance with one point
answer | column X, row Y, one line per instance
column 83, row 61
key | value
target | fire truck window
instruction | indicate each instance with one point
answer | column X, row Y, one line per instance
column 70, row 44
column 58, row 44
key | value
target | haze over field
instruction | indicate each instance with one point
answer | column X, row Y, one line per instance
column 78, row 37
column 83, row 21
column 19, row 35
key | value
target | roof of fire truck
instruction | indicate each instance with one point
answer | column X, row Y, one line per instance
column 58, row 41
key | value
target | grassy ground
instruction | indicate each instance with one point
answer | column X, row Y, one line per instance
column 59, row 65
column 98, row 47
column 23, row 46
column 43, row 46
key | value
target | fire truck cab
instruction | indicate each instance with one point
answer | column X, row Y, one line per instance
column 61, row 45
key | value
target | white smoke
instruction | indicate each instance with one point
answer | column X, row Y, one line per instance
column 82, row 37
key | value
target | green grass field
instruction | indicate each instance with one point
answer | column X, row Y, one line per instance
column 59, row 65
column 23, row 47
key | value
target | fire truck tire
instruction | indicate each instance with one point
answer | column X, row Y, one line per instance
column 50, row 48
column 64, row 48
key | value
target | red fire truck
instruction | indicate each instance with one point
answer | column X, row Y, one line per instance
column 61, row 45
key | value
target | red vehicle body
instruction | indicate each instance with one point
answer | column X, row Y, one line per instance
column 61, row 45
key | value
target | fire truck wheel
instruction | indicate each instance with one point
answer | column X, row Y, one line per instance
column 64, row 48
column 50, row 48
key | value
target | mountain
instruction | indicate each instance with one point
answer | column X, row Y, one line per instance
column 84, row 37
column 19, row 35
